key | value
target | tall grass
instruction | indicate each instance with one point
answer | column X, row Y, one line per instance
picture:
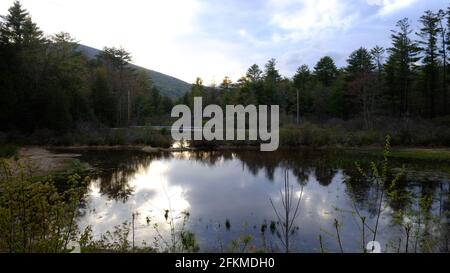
column 289, row 211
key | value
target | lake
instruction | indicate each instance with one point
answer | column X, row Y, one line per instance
column 228, row 198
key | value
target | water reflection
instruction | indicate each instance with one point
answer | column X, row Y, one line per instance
column 227, row 194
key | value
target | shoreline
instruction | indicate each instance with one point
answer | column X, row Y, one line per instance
column 43, row 161
column 402, row 152
column 236, row 147
column 48, row 159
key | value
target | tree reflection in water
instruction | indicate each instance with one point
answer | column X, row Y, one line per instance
column 218, row 185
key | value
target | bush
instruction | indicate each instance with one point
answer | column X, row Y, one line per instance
column 34, row 215
column 290, row 136
column 116, row 137
column 8, row 150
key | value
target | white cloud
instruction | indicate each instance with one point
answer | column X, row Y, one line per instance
column 311, row 15
column 211, row 39
column 243, row 33
column 276, row 38
column 389, row 6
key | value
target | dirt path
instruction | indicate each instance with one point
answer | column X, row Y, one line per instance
column 44, row 161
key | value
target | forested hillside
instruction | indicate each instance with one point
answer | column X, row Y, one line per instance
column 49, row 83
column 46, row 82
column 168, row 85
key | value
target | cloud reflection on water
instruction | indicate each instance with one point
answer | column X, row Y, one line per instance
column 217, row 186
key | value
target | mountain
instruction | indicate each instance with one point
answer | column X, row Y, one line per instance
column 167, row 85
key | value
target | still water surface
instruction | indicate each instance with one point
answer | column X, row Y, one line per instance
column 227, row 195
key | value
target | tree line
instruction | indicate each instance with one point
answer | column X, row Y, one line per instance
column 408, row 79
column 46, row 82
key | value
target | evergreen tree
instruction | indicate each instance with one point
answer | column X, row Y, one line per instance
column 245, row 91
column 70, row 68
column 444, row 35
column 378, row 59
column 18, row 30
column 361, row 94
column 302, row 77
column 429, row 47
column 326, row 71
column 360, row 63
column 271, row 78
column 102, row 99
column 197, row 90
column 301, row 82
column 256, row 87
column 22, row 46
column 254, row 73
column 117, row 61
column 402, row 59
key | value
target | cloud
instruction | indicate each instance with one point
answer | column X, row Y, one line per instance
column 390, row 6
column 216, row 38
column 243, row 33
column 311, row 16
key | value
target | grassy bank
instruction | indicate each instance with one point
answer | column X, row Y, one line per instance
column 92, row 135
column 425, row 154
column 332, row 133
column 312, row 133
column 428, row 154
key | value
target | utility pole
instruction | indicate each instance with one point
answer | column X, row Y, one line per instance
column 132, row 223
column 298, row 108
column 128, row 108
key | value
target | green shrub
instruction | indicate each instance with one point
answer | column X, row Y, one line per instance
column 8, row 150
column 307, row 134
column 116, row 137
column 34, row 215
column 289, row 137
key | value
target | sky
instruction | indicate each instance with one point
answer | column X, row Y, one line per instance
column 216, row 38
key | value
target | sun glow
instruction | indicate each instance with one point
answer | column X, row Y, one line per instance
column 151, row 197
column 161, row 195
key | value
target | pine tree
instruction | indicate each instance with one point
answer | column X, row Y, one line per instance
column 326, row 71
column 197, row 90
column 429, row 47
column 361, row 78
column 271, row 78
column 254, row 73
column 117, row 61
column 71, row 69
column 12, row 30
column 302, row 77
column 442, row 16
column 102, row 99
column 22, row 46
column 378, row 56
column 403, row 58
column 301, row 80
column 378, row 59
column 256, row 88
column 360, row 63
column 391, row 96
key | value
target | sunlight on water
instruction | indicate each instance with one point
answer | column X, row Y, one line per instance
column 152, row 196
column 228, row 194
column 180, row 144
